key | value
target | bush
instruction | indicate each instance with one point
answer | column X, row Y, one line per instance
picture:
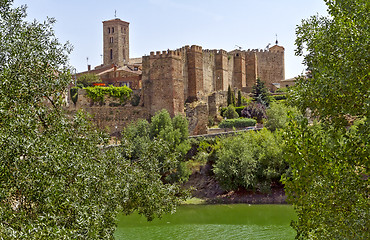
column 237, row 123
column 279, row 97
column 74, row 94
column 255, row 110
column 251, row 160
column 237, row 109
column 230, row 112
column 97, row 94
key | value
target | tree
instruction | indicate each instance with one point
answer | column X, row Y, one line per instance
column 229, row 96
column 56, row 181
column 255, row 110
column 230, row 112
column 250, row 160
column 239, row 103
column 260, row 93
column 278, row 115
column 165, row 139
column 86, row 80
column 329, row 180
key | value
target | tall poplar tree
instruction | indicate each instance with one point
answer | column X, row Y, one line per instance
column 329, row 180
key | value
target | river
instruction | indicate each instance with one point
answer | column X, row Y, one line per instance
column 229, row 221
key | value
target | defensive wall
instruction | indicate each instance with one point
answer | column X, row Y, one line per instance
column 174, row 77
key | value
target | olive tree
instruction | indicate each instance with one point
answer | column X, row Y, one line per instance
column 57, row 178
column 329, row 179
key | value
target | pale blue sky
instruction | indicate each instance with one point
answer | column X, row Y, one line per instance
column 157, row 25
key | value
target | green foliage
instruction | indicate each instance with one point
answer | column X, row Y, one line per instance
column 74, row 94
column 239, row 103
column 237, row 123
column 260, row 93
column 255, row 110
column 56, row 181
column 329, row 179
column 328, row 182
column 338, row 59
column 278, row 116
column 230, row 112
column 97, row 93
column 229, row 96
column 250, row 160
column 86, row 80
column 279, row 97
column 164, row 139
column 237, row 109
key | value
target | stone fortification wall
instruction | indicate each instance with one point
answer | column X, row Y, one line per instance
column 109, row 114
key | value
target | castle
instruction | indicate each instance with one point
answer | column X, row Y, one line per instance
column 170, row 79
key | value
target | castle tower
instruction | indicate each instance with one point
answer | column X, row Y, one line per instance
column 116, row 42
column 163, row 84
column 195, row 72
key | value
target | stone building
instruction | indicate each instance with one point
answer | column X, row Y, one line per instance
column 173, row 78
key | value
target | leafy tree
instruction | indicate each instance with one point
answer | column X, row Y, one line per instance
column 230, row 112
column 250, row 160
column 87, row 79
column 56, row 182
column 260, row 93
column 256, row 111
column 278, row 115
column 329, row 183
column 165, row 139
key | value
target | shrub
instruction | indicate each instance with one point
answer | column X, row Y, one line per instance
column 97, row 94
column 249, row 160
column 74, row 94
column 230, row 112
column 237, row 109
column 255, row 110
column 237, row 123
column 279, row 97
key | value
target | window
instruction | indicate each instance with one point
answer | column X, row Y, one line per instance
column 108, row 30
column 111, row 39
column 136, row 68
column 111, row 54
column 112, row 29
column 121, row 29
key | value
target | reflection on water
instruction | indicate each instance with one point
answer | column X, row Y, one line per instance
column 239, row 221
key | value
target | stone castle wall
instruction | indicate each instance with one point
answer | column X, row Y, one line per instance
column 163, row 85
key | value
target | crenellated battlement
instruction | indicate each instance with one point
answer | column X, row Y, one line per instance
column 165, row 54
column 195, row 48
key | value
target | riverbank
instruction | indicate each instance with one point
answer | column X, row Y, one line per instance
column 208, row 190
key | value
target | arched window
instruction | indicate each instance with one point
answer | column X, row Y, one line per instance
column 112, row 29
column 108, row 30
column 111, row 54
column 111, row 39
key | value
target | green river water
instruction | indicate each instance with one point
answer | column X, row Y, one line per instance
column 237, row 221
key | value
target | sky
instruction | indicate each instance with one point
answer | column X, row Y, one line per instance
column 157, row 25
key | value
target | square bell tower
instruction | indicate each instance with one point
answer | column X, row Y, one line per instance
column 116, row 42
